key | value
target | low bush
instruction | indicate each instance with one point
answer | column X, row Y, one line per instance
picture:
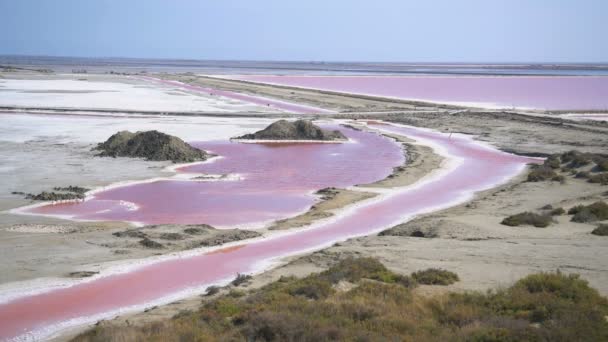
column 149, row 243
column 172, row 236
column 582, row 174
column 597, row 211
column 435, row 276
column 576, row 159
column 557, row 212
column 194, row 231
column 241, row 279
column 528, row 218
column 211, row 290
column 553, row 162
column 353, row 270
column 601, row 178
column 542, row 173
column 601, row 230
column 601, row 162
column 539, row 307
column 312, row 288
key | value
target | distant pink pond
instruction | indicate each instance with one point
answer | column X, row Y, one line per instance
column 278, row 180
column 479, row 168
column 551, row 92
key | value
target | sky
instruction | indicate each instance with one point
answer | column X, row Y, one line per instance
column 310, row 30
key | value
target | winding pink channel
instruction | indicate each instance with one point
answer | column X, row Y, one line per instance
column 278, row 180
column 548, row 92
column 257, row 100
column 480, row 168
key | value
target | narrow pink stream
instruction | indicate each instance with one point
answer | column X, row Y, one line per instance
column 480, row 168
column 278, row 182
column 550, row 92
column 257, row 100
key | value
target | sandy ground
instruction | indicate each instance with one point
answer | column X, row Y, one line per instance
column 514, row 132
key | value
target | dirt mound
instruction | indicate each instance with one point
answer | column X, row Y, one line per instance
column 151, row 145
column 297, row 130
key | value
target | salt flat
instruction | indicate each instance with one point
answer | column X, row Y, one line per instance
column 113, row 93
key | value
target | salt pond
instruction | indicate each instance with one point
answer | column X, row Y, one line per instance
column 550, row 92
column 471, row 167
column 270, row 181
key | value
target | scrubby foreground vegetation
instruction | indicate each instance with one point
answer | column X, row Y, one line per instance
column 361, row 300
column 579, row 164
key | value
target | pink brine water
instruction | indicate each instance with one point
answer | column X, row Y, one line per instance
column 272, row 181
column 479, row 168
column 547, row 92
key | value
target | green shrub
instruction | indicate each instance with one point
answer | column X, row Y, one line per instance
column 539, row 307
column 312, row 288
column 353, row 270
column 435, row 276
column 582, row 174
column 601, row 230
column 528, row 218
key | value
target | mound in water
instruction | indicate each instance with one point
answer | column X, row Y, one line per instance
column 297, row 130
column 151, row 145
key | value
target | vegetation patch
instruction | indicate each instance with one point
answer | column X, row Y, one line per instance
column 576, row 159
column 149, row 243
column 600, row 178
column 540, row 307
column 241, row 279
column 228, row 236
column 601, row 230
column 131, row 233
column 553, row 161
column 172, row 236
column 71, row 188
column 543, row 173
column 602, row 163
column 435, row 276
column 597, row 211
column 528, row 218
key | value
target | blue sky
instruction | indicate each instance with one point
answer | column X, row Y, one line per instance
column 310, row 30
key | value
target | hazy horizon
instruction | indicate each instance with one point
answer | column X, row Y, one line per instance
column 498, row 63
column 385, row 31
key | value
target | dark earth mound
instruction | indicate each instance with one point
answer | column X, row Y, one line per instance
column 151, row 145
column 296, row 130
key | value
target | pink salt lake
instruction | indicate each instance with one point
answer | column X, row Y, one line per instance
column 478, row 168
column 550, row 92
column 278, row 180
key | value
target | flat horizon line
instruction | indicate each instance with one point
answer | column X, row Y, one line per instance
column 442, row 63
